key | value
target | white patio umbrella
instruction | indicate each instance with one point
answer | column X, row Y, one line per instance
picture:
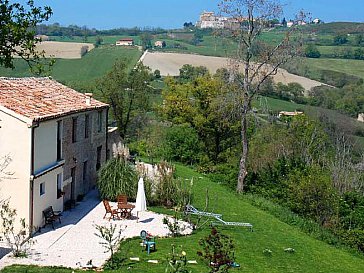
column 141, row 202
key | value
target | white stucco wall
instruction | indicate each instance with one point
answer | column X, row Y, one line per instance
column 49, row 198
column 45, row 145
column 15, row 141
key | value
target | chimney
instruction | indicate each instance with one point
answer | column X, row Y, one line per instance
column 88, row 98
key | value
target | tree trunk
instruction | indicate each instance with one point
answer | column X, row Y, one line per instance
column 244, row 153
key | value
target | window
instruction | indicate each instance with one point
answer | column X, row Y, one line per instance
column 42, row 188
column 59, row 140
column 73, row 183
column 84, row 173
column 98, row 158
column 87, row 125
column 59, row 186
column 74, row 130
column 99, row 121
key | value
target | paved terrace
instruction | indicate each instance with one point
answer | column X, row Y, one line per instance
column 74, row 243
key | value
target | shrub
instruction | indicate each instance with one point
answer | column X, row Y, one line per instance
column 182, row 144
column 84, row 50
column 169, row 190
column 176, row 262
column 117, row 177
column 312, row 51
column 354, row 238
column 217, row 251
column 16, row 238
column 311, row 194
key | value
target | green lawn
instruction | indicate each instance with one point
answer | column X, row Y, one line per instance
column 351, row 67
column 81, row 73
column 107, row 39
column 310, row 255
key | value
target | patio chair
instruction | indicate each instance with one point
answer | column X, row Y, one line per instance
column 225, row 223
column 147, row 240
column 122, row 199
column 110, row 210
column 124, row 207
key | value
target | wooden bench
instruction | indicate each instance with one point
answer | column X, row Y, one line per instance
column 50, row 216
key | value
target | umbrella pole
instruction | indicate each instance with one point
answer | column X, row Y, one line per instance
column 137, row 217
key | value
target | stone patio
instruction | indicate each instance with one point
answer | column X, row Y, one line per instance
column 73, row 243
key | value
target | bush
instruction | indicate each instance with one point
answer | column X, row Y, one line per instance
column 182, row 144
column 217, row 251
column 354, row 238
column 311, row 194
column 312, row 51
column 116, row 177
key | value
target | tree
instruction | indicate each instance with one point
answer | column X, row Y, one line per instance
column 127, row 93
column 17, row 30
column 284, row 22
column 340, row 39
column 197, row 103
column 189, row 73
column 98, row 41
column 359, row 39
column 146, row 39
column 252, row 16
column 312, row 51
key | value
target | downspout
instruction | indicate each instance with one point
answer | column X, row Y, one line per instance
column 31, row 223
column 107, row 132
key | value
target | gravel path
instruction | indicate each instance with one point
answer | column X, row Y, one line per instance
column 74, row 243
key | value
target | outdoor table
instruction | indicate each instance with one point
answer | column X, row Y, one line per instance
column 125, row 209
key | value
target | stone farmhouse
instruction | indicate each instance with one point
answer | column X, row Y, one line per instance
column 208, row 19
column 125, row 42
column 56, row 138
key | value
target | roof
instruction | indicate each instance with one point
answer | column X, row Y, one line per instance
column 126, row 39
column 43, row 98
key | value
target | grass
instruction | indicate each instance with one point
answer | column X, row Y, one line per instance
column 311, row 255
column 81, row 73
column 351, row 67
column 107, row 39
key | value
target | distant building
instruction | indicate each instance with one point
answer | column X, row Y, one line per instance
column 316, row 21
column 290, row 24
column 289, row 114
column 208, row 19
column 125, row 42
column 361, row 117
column 160, row 44
column 42, row 37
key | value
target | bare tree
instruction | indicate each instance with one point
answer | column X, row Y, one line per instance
column 254, row 61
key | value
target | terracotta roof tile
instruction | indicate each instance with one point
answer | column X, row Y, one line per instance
column 42, row 98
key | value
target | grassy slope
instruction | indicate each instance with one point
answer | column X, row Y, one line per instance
column 107, row 39
column 310, row 256
column 81, row 72
column 343, row 122
column 351, row 67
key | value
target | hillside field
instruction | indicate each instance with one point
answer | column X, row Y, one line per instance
column 63, row 50
column 170, row 63
column 80, row 73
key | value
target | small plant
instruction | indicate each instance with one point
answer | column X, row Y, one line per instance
column 217, row 250
column 116, row 177
column 111, row 236
column 17, row 238
column 267, row 252
column 173, row 225
column 176, row 261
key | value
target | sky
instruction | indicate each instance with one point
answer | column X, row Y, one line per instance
column 107, row 14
